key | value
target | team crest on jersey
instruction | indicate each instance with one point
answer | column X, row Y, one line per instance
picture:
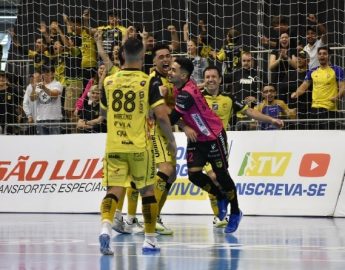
column 143, row 83
column 219, row 164
column 215, row 107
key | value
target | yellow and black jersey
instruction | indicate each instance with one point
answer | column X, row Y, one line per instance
column 88, row 50
column 40, row 59
column 127, row 99
column 224, row 105
column 156, row 81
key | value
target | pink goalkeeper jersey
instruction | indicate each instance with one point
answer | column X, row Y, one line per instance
column 196, row 113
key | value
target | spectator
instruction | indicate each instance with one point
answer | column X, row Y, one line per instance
column 281, row 61
column 313, row 41
column 113, row 33
column 96, row 80
column 40, row 55
column 328, row 87
column 10, row 98
column 72, row 71
column 291, row 83
column 243, row 85
column 30, row 107
column 280, row 25
column 230, row 53
column 90, row 120
column 80, row 27
column 48, row 96
column 273, row 107
column 200, row 63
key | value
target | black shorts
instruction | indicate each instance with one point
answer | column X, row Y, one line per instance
column 215, row 152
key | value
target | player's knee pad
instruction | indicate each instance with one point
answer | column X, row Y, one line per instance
column 111, row 196
column 148, row 200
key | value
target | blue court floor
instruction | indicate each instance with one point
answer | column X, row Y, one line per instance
column 70, row 241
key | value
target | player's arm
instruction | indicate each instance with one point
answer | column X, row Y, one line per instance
column 160, row 110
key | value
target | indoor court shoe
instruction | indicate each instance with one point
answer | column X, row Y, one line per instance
column 222, row 208
column 234, row 221
column 162, row 229
column 104, row 241
column 119, row 226
column 217, row 223
column 134, row 226
column 150, row 246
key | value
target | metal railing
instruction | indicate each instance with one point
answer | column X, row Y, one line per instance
column 294, row 124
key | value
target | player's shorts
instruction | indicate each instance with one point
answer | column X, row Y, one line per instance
column 213, row 152
column 73, row 90
column 119, row 167
column 160, row 147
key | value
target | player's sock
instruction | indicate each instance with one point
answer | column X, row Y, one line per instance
column 150, row 210
column 108, row 207
column 120, row 203
column 160, row 184
column 164, row 197
column 214, row 204
column 132, row 200
column 232, row 197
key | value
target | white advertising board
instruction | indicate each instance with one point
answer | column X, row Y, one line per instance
column 276, row 173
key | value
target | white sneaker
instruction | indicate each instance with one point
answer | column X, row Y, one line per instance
column 134, row 226
column 162, row 229
column 217, row 223
column 119, row 226
column 150, row 246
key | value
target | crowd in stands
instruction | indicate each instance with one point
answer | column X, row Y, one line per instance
column 72, row 60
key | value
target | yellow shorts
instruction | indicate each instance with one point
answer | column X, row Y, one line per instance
column 118, row 168
column 73, row 90
column 160, row 147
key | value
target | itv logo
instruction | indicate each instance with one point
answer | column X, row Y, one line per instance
column 265, row 163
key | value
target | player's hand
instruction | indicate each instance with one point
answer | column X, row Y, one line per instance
column 277, row 123
column 190, row 134
column 250, row 99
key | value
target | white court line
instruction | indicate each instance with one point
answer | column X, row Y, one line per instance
column 179, row 257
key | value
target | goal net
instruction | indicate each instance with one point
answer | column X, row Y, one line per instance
column 226, row 33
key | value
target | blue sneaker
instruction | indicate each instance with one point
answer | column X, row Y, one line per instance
column 104, row 241
column 150, row 246
column 234, row 221
column 222, row 208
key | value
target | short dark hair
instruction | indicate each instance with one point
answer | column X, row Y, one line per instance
column 185, row 64
column 311, row 28
column 324, row 48
column 47, row 68
column 158, row 47
column 132, row 49
column 212, row 68
column 113, row 14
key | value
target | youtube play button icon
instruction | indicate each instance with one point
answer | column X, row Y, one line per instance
column 314, row 165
